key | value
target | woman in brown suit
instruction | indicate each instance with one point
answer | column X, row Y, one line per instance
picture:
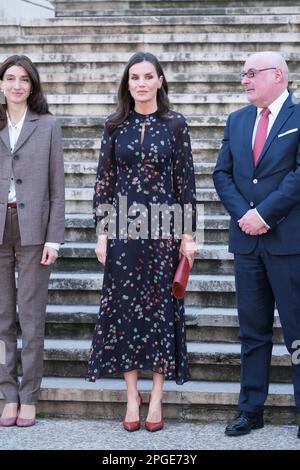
column 31, row 229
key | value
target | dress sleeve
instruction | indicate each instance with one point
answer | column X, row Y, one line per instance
column 184, row 176
column 105, row 180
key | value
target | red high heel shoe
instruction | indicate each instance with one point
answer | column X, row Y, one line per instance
column 133, row 425
column 155, row 426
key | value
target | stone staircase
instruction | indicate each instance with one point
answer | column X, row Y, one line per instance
column 81, row 55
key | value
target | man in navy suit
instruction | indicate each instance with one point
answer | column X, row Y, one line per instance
column 257, row 177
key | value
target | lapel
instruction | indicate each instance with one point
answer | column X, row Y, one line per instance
column 249, row 121
column 4, row 135
column 285, row 112
column 29, row 125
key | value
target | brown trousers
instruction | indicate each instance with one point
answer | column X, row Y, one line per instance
column 31, row 298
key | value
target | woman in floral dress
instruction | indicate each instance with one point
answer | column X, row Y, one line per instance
column 145, row 161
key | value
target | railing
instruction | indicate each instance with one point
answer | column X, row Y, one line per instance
column 38, row 5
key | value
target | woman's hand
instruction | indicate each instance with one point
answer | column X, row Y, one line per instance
column 101, row 247
column 49, row 256
column 188, row 248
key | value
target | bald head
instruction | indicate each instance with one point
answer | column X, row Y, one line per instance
column 271, row 78
column 270, row 59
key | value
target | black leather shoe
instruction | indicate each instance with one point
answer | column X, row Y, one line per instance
column 243, row 424
column 298, row 433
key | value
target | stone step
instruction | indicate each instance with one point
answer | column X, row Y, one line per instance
column 177, row 61
column 92, row 126
column 187, row 11
column 207, row 401
column 179, row 4
column 87, row 149
column 93, row 281
column 80, row 174
column 186, row 103
column 207, row 360
column 83, row 174
column 80, row 257
column 154, row 24
column 119, row 6
column 79, row 200
column 95, row 81
column 142, row 8
column 203, row 290
column 204, row 127
column 80, row 228
column 202, row 324
column 204, row 150
column 158, row 43
column 77, row 143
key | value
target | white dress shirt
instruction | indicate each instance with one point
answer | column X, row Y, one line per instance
column 14, row 132
column 274, row 108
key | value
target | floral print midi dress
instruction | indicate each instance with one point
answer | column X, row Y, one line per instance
column 141, row 324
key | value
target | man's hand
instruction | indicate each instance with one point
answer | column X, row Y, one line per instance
column 251, row 224
column 49, row 256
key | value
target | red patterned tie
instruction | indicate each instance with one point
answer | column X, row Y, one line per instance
column 261, row 134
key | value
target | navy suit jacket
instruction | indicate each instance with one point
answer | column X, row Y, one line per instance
column 272, row 186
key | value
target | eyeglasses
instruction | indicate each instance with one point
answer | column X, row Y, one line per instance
column 253, row 72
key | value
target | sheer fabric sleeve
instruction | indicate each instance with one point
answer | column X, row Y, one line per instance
column 183, row 174
column 106, row 179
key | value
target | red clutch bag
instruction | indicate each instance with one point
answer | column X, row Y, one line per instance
column 181, row 278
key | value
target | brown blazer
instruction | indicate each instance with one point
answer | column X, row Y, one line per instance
column 38, row 169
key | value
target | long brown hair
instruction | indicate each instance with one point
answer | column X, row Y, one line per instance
column 36, row 101
column 125, row 100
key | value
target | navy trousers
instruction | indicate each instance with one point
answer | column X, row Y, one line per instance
column 263, row 279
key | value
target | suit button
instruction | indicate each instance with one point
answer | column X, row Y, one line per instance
column 16, row 157
column 255, row 181
column 252, row 204
column 18, row 181
column 21, row 205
